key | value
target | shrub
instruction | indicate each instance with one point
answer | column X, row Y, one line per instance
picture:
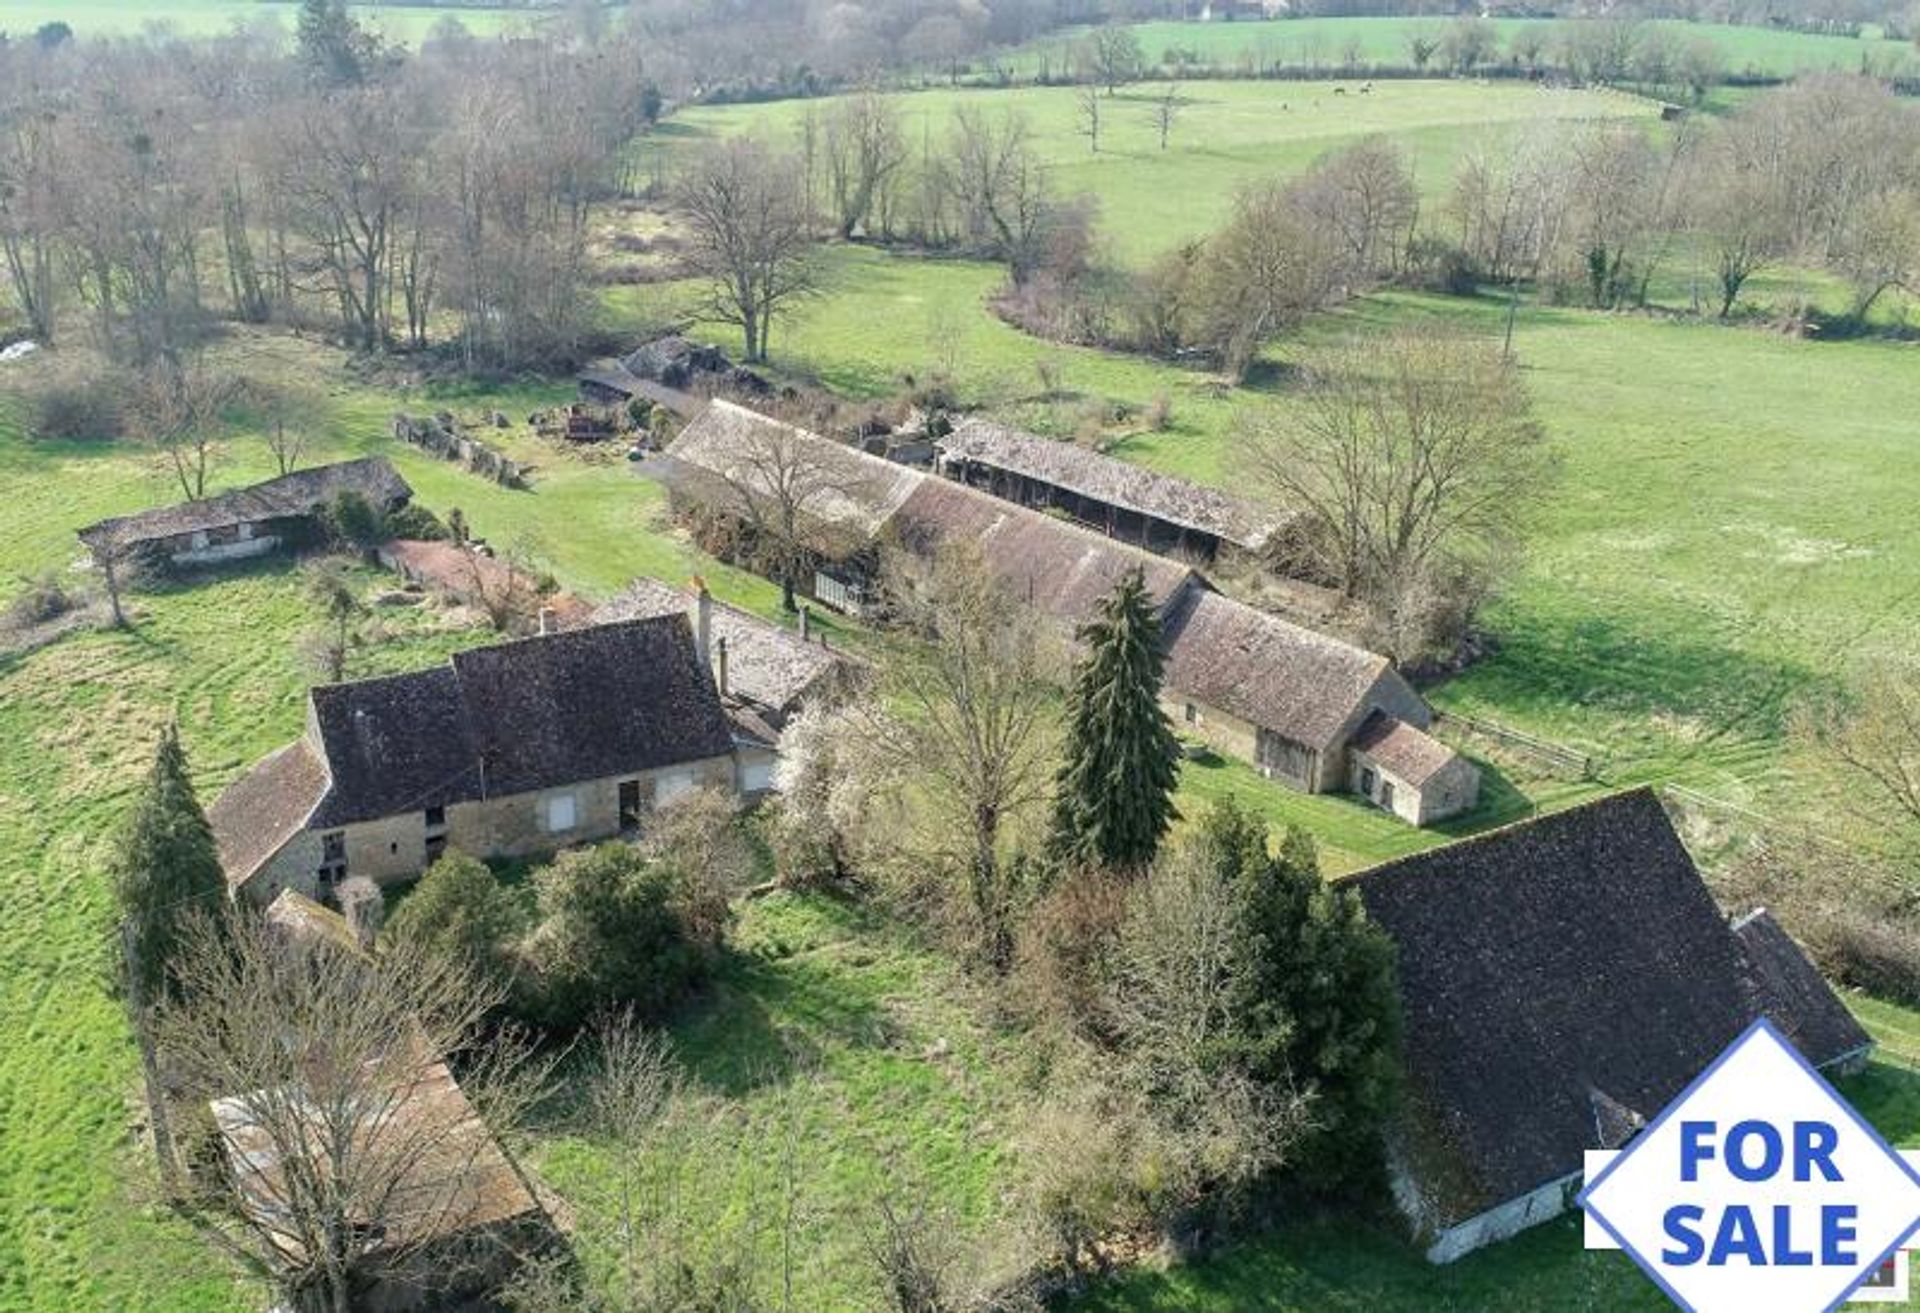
column 459, row 910
column 41, row 599
column 353, row 521
column 415, row 521
column 76, row 405
column 1438, row 265
column 614, row 928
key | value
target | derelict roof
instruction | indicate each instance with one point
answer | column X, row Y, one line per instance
column 736, row 447
column 256, row 815
column 1302, row 685
column 765, row 663
column 1059, row 568
column 590, row 703
column 1556, row 976
column 1115, row 482
column 1409, row 753
column 299, row 493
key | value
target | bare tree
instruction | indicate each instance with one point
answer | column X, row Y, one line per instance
column 29, row 209
column 1880, row 250
column 1413, row 462
column 1167, row 108
column 783, row 487
column 1263, row 273
column 504, row 589
column 326, row 1068
column 1111, row 55
column 629, row 1095
column 330, row 588
column 179, row 409
column 1001, row 187
column 749, row 236
column 865, row 149
column 969, row 711
column 1086, row 104
column 1366, row 195
column 1876, row 740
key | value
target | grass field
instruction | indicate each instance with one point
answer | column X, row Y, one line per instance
column 399, row 22
column 1232, row 133
column 1751, row 51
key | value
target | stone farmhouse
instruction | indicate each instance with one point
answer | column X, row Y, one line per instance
column 1301, row 707
column 1562, row 980
column 279, row 514
column 1122, row 500
column 512, row 750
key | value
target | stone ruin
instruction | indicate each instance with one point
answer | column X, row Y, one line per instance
column 440, row 434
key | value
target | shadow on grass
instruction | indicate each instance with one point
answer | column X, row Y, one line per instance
column 1888, row 1095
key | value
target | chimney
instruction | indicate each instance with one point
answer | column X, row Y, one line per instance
column 720, row 664
column 364, row 907
column 546, row 620
column 806, row 622
column 702, row 620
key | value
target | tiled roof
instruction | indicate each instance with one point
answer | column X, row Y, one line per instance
column 765, row 663
column 1410, row 753
column 1548, row 960
column 301, row 493
column 1058, row 568
column 1114, row 482
column 264, row 808
column 1300, row 684
column 516, row 717
column 590, row 703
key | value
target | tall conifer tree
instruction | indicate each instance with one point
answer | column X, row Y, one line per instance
column 165, row 869
column 1115, row 790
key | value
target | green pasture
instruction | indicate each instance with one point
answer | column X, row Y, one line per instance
column 1229, row 134
column 1361, row 41
column 99, row 18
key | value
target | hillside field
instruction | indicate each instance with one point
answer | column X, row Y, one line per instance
column 399, row 22
column 1230, row 133
column 1746, row 51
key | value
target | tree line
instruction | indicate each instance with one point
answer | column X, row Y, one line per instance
column 149, row 187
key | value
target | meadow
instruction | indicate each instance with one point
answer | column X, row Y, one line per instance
column 89, row 18
column 1745, row 51
column 1230, row 134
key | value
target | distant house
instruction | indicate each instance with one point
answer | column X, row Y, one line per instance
column 245, row 522
column 1290, row 701
column 1562, row 980
column 512, row 750
column 1122, row 500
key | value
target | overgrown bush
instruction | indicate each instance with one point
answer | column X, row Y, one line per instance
column 75, row 404
column 415, row 521
column 461, row 911
column 40, row 599
column 616, row 927
column 351, row 520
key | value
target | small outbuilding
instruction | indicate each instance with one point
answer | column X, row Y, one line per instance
column 244, row 522
column 1561, row 981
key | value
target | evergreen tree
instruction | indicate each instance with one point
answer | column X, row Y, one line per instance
column 1320, row 1006
column 1115, row 789
column 165, row 870
column 333, row 45
column 461, row 912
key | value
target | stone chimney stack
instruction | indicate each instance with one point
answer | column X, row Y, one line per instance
column 806, row 622
column 547, row 616
column 702, row 621
column 365, row 908
column 720, row 664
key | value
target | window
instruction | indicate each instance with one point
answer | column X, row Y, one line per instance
column 1386, row 794
column 333, row 861
column 436, row 818
column 560, row 813
column 629, row 804
column 1193, row 714
column 673, row 785
column 1366, row 781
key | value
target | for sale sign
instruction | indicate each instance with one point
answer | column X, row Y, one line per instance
column 1759, row 1188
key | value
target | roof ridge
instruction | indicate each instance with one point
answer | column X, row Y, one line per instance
column 1500, row 831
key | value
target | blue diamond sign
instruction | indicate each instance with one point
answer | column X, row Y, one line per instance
column 1758, row 1188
